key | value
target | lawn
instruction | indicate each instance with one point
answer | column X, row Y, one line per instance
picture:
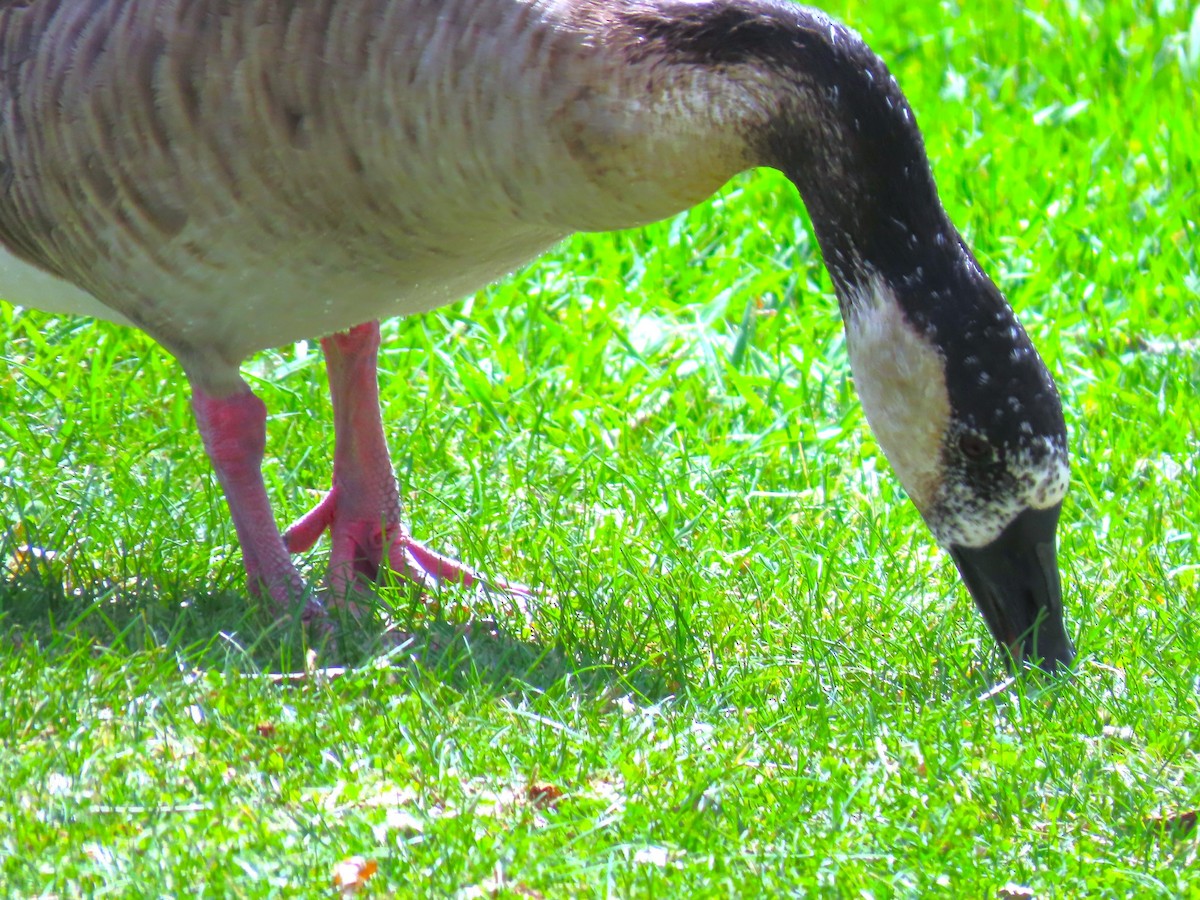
column 748, row 671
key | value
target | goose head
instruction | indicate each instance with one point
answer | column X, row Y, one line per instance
column 959, row 400
column 972, row 424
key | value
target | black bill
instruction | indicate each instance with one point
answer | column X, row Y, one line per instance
column 1014, row 581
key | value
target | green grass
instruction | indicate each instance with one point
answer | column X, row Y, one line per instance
column 751, row 672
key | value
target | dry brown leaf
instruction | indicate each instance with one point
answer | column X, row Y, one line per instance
column 545, row 796
column 27, row 559
column 352, row 874
column 1179, row 824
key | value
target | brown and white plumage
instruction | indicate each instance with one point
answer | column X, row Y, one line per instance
column 232, row 175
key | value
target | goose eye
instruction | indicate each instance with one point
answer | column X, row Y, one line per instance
column 975, row 448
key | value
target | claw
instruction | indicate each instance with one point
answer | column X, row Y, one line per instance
column 361, row 512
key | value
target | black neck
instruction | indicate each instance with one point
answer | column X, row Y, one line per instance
column 849, row 142
column 841, row 131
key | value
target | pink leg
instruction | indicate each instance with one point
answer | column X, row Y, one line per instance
column 234, row 432
column 362, row 510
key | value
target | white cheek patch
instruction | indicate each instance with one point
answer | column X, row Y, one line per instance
column 1043, row 474
column 963, row 521
column 901, row 379
column 902, row 384
column 1038, row 474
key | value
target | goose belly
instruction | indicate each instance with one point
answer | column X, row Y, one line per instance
column 22, row 284
column 241, row 310
column 243, row 295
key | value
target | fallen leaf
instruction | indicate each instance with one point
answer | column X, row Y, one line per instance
column 403, row 821
column 1014, row 891
column 391, row 796
column 654, row 855
column 1178, row 824
column 301, row 679
column 352, row 874
column 545, row 795
column 26, row 557
column 99, row 854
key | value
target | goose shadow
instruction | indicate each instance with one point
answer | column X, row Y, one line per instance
column 464, row 638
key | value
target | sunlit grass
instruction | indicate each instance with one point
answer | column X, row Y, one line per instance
column 750, row 671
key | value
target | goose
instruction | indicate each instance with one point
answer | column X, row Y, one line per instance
column 235, row 175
